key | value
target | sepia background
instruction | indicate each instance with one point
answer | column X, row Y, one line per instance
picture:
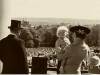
column 40, row 19
column 74, row 9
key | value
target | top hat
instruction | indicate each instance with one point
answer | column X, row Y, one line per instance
column 80, row 29
column 15, row 24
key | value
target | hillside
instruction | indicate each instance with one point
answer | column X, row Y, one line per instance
column 50, row 21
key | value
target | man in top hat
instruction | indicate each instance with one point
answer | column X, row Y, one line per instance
column 75, row 52
column 12, row 51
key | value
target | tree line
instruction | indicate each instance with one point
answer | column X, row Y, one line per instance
column 45, row 36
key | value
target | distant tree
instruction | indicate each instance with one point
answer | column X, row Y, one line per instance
column 93, row 37
column 38, row 27
column 33, row 32
column 53, row 31
column 45, row 38
column 25, row 23
column 27, row 36
column 35, row 36
column 48, row 36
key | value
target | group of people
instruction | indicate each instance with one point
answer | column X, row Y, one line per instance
column 70, row 55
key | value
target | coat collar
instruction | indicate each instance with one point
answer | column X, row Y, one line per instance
column 12, row 35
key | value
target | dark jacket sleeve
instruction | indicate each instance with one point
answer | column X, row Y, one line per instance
column 1, row 50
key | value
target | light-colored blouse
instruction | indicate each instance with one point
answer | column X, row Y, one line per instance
column 60, row 45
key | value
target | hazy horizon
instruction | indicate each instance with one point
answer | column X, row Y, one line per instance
column 59, row 20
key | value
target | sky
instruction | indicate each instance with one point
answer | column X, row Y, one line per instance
column 85, row 9
column 77, row 9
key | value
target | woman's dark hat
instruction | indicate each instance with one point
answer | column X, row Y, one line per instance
column 15, row 24
column 80, row 29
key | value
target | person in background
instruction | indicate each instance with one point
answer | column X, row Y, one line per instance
column 75, row 52
column 62, row 41
column 94, row 65
column 12, row 51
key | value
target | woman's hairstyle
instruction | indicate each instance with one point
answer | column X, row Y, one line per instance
column 61, row 28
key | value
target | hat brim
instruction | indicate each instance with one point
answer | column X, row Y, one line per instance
column 75, row 28
column 15, row 28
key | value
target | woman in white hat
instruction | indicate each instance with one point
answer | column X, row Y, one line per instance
column 62, row 41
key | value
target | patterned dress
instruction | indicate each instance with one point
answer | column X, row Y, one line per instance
column 60, row 45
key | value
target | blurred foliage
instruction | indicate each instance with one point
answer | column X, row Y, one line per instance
column 45, row 35
column 93, row 38
column 27, row 36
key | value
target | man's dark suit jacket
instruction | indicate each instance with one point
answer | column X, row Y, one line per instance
column 13, row 55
